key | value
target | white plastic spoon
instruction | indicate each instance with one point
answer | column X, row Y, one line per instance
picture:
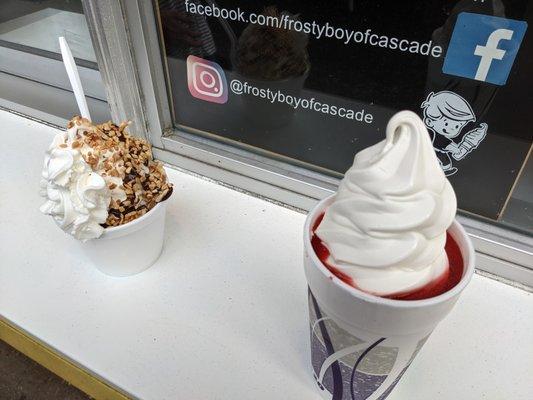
column 74, row 78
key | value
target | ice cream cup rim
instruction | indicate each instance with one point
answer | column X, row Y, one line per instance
column 468, row 268
column 114, row 230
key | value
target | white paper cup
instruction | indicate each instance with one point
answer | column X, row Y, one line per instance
column 362, row 344
column 130, row 248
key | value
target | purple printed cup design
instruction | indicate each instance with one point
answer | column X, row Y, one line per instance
column 361, row 344
column 348, row 367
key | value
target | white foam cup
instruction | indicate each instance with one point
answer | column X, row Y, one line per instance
column 130, row 248
column 362, row 344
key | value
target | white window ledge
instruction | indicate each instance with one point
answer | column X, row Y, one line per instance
column 223, row 312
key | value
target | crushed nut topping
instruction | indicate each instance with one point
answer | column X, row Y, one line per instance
column 117, row 154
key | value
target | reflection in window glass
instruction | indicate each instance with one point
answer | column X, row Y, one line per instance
column 33, row 79
column 315, row 82
column 36, row 25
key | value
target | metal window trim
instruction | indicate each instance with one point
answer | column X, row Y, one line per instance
column 149, row 66
column 42, row 102
column 32, row 114
column 257, row 166
column 129, row 56
column 108, row 28
column 46, row 54
column 49, row 71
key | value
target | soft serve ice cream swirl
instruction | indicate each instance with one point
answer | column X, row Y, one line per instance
column 386, row 228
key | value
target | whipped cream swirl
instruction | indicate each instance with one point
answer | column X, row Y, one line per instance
column 76, row 197
column 386, row 227
column 73, row 135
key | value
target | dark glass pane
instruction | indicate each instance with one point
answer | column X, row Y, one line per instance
column 313, row 82
column 34, row 26
column 33, row 79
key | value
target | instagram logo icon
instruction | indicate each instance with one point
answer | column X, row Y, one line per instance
column 206, row 80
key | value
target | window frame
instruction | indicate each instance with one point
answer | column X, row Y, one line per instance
column 129, row 56
column 37, row 71
column 41, row 67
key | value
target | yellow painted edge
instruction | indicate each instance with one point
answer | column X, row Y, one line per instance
column 59, row 365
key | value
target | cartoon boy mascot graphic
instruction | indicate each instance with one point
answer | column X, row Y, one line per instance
column 446, row 114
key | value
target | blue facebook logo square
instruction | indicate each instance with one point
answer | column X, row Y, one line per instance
column 483, row 47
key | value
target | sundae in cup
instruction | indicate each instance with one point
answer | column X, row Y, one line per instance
column 385, row 262
column 103, row 187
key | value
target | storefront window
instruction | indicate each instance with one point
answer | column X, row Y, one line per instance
column 31, row 71
column 312, row 83
column 276, row 98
